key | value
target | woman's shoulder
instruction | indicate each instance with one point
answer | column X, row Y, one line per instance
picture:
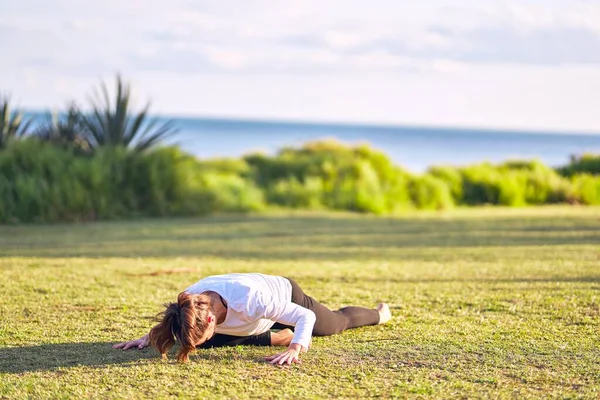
column 238, row 287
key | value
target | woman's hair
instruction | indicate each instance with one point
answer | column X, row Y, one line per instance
column 184, row 321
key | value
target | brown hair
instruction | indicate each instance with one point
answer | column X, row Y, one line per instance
column 184, row 321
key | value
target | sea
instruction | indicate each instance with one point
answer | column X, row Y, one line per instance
column 411, row 147
column 414, row 148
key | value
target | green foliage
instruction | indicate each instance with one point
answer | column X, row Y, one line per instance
column 515, row 183
column 42, row 182
column 431, row 193
column 587, row 188
column 330, row 174
column 236, row 166
column 481, row 184
column 293, row 193
column 586, row 163
column 12, row 124
column 453, row 178
column 229, row 192
column 532, row 183
column 521, row 165
column 114, row 123
column 546, row 187
column 39, row 184
column 65, row 132
column 511, row 186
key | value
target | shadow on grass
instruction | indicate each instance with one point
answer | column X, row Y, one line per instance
column 51, row 357
column 386, row 279
column 284, row 238
column 48, row 357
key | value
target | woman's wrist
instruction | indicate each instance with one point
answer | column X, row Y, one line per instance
column 295, row 347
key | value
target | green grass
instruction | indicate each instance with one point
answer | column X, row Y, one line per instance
column 487, row 303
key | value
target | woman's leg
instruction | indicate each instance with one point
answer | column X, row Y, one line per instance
column 332, row 322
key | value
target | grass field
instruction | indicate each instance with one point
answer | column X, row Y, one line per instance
column 487, row 303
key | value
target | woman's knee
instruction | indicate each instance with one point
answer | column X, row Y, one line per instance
column 332, row 326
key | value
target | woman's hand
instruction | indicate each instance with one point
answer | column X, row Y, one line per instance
column 291, row 355
column 140, row 343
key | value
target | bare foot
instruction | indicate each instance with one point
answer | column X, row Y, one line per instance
column 384, row 313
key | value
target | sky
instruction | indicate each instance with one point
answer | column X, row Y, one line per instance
column 502, row 64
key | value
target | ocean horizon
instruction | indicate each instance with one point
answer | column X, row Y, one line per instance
column 415, row 148
column 412, row 147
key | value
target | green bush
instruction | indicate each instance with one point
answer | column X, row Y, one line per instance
column 293, row 193
column 586, row 163
column 226, row 165
column 357, row 188
column 514, row 183
column 430, row 193
column 540, row 184
column 228, row 192
column 453, row 178
column 546, row 187
column 587, row 188
column 522, row 165
column 481, row 184
column 331, row 174
column 37, row 184
column 42, row 182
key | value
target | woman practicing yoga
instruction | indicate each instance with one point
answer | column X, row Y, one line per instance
column 241, row 309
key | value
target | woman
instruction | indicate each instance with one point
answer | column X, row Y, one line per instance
column 235, row 309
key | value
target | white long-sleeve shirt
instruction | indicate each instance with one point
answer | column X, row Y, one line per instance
column 255, row 302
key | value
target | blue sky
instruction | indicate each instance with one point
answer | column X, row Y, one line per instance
column 481, row 63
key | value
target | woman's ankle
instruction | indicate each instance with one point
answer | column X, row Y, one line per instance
column 384, row 313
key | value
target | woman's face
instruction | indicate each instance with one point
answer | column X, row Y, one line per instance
column 210, row 330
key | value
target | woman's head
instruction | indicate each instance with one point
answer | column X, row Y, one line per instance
column 190, row 321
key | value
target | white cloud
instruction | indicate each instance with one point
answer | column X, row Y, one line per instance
column 316, row 59
column 344, row 39
column 30, row 78
column 225, row 58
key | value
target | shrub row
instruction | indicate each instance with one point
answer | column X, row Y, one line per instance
column 584, row 164
column 42, row 182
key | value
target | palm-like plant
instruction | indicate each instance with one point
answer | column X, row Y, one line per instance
column 114, row 124
column 64, row 132
column 12, row 125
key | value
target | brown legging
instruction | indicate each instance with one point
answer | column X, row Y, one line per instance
column 332, row 322
column 328, row 322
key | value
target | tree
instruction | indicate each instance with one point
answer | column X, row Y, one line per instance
column 115, row 124
column 66, row 132
column 12, row 125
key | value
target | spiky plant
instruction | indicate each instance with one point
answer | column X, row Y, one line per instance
column 64, row 132
column 12, row 125
column 115, row 124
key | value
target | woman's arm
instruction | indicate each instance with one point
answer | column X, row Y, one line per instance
column 281, row 338
column 140, row 343
column 304, row 321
